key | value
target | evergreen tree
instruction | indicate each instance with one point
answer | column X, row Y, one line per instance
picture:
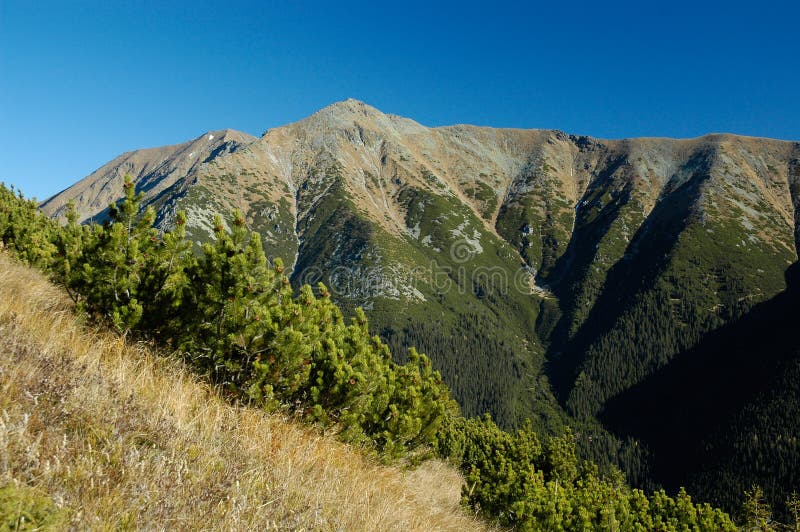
column 115, row 265
column 756, row 513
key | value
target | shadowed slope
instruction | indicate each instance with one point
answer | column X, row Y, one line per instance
column 724, row 414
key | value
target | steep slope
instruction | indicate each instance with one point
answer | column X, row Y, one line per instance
column 723, row 416
column 514, row 258
column 97, row 433
column 647, row 274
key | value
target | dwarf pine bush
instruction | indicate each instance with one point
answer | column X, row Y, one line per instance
column 522, row 483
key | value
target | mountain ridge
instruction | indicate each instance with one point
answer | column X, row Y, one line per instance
column 338, row 116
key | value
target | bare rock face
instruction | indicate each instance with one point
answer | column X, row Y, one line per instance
column 419, row 225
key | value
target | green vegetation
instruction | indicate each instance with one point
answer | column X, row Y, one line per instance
column 718, row 436
column 474, row 320
column 484, row 196
column 539, row 222
column 675, row 281
column 685, row 273
column 530, row 485
column 275, row 224
column 23, row 508
column 417, row 294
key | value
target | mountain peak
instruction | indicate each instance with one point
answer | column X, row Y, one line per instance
column 350, row 104
column 349, row 108
column 343, row 114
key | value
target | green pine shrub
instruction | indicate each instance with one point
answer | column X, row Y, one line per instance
column 25, row 231
column 23, row 508
column 523, row 483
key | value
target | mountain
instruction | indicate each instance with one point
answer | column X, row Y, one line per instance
column 544, row 273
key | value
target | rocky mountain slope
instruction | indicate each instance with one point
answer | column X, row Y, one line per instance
column 544, row 273
column 155, row 170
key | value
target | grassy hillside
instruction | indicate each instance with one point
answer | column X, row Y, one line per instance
column 98, row 433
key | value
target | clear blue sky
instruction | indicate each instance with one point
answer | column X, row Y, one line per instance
column 81, row 82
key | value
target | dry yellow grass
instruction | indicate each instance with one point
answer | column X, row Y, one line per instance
column 122, row 438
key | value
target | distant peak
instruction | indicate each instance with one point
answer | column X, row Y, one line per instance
column 348, row 103
column 350, row 106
